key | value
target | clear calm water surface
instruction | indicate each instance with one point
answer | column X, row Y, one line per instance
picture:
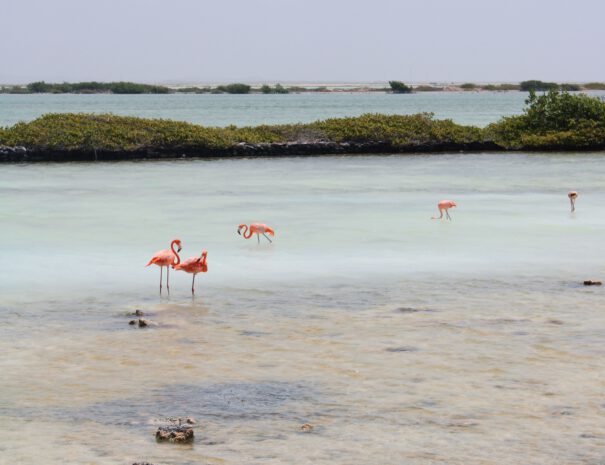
column 401, row 339
column 479, row 108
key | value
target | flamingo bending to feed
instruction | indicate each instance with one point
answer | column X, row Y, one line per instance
column 573, row 195
column 256, row 228
column 166, row 258
column 444, row 205
column 194, row 265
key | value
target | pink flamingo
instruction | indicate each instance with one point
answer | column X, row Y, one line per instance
column 256, row 228
column 573, row 195
column 194, row 265
column 166, row 258
column 444, row 205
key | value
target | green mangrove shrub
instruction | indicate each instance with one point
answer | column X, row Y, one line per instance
column 90, row 132
column 425, row 88
column 501, row 87
column 553, row 120
column 594, row 86
column 535, row 86
column 68, row 131
column 398, row 130
column 398, row 87
column 236, row 88
column 567, row 87
column 556, row 120
column 121, row 87
column 278, row 89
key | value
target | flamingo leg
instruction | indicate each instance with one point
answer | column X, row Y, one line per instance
column 193, row 285
column 438, row 218
column 258, row 237
column 573, row 205
column 161, row 269
column 168, row 279
column 267, row 237
column 447, row 215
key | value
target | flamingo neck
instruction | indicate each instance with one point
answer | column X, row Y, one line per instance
column 247, row 232
column 176, row 254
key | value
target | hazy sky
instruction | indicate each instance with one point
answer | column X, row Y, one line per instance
column 310, row 40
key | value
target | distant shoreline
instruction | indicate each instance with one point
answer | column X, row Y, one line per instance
column 392, row 87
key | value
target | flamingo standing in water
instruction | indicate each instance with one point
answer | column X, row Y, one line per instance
column 444, row 205
column 167, row 258
column 194, row 265
column 256, row 228
column 573, row 195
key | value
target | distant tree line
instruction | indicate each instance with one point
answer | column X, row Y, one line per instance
column 541, row 86
column 278, row 89
column 396, row 87
column 121, row 87
column 235, row 88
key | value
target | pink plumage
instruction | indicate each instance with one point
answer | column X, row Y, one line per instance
column 166, row 258
column 194, row 265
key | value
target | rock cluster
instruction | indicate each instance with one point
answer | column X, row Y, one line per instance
column 142, row 322
column 243, row 149
column 590, row 282
column 17, row 153
column 175, row 434
column 6, row 150
column 306, row 428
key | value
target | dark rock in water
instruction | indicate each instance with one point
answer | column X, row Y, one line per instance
column 190, row 421
column 174, row 434
column 299, row 148
column 142, row 463
column 407, row 310
column 589, row 436
column 590, row 282
column 138, row 312
column 306, row 428
column 142, row 323
column 402, row 349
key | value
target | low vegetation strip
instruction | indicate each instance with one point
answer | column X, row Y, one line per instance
column 394, row 87
column 553, row 121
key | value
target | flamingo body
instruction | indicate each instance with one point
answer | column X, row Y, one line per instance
column 166, row 258
column 444, row 206
column 256, row 228
column 194, row 265
column 162, row 258
column 572, row 195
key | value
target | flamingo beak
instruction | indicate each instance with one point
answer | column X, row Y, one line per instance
column 239, row 232
column 179, row 249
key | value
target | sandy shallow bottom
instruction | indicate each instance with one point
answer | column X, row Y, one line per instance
column 449, row 379
column 401, row 340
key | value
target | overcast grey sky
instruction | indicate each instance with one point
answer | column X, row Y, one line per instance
column 310, row 40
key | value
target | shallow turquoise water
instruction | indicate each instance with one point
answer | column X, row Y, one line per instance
column 478, row 108
column 400, row 338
